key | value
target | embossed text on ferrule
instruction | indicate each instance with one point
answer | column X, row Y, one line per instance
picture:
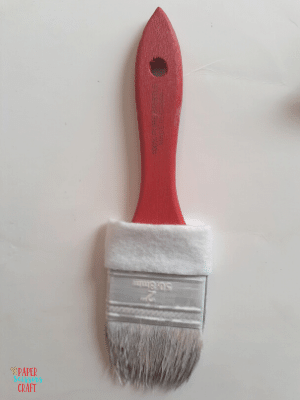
column 152, row 285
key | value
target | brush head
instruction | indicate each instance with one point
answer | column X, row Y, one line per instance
column 148, row 355
column 156, row 305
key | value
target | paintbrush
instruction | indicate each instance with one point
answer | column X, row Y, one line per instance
column 158, row 266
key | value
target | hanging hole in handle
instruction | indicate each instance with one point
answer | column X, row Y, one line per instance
column 158, row 67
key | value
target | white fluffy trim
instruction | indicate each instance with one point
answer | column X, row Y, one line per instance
column 167, row 249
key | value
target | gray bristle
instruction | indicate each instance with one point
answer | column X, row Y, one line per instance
column 149, row 355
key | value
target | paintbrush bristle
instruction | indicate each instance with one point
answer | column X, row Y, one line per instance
column 150, row 355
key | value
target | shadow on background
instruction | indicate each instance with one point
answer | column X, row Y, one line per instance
column 291, row 109
column 131, row 139
column 132, row 143
column 99, row 282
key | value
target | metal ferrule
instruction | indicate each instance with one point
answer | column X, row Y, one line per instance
column 157, row 299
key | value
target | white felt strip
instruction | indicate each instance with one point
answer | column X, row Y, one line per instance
column 167, row 249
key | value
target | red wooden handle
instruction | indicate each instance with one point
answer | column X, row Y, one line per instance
column 158, row 91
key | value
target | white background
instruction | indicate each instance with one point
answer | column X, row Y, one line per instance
column 70, row 161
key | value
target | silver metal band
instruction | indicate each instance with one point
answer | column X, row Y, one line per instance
column 156, row 299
